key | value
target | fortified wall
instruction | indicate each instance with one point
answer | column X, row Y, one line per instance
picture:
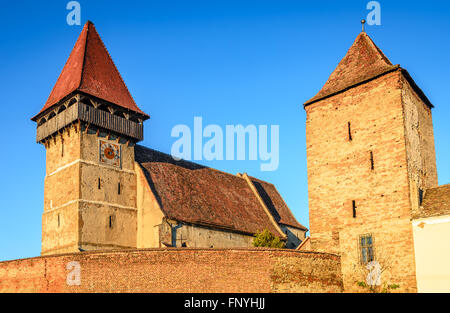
column 258, row 270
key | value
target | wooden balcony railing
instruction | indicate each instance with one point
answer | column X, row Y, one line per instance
column 85, row 113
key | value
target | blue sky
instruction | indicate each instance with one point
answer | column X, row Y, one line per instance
column 231, row 62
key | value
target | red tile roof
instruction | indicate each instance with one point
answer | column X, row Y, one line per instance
column 276, row 204
column 363, row 61
column 192, row 193
column 436, row 202
column 91, row 70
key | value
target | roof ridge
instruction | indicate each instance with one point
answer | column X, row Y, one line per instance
column 84, row 53
column 114, row 65
column 284, row 202
column 192, row 162
column 203, row 196
column 264, row 181
column 263, row 204
column 384, row 57
column 72, row 51
column 170, row 156
column 363, row 61
column 90, row 69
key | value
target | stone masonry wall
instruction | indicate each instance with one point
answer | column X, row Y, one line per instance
column 84, row 208
column 420, row 149
column 194, row 236
column 177, row 270
column 108, row 219
column 61, row 192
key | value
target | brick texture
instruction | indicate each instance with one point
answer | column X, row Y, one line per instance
column 177, row 270
column 380, row 113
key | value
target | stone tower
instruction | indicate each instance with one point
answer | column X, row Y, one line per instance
column 370, row 155
column 89, row 126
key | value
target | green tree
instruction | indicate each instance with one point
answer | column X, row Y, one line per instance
column 266, row 239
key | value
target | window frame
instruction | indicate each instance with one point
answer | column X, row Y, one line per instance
column 362, row 247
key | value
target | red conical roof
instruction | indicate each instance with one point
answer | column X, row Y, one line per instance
column 91, row 70
column 363, row 61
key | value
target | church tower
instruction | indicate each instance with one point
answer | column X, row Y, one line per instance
column 89, row 126
column 370, row 156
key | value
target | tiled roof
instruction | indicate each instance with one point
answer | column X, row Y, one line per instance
column 276, row 204
column 192, row 193
column 436, row 202
column 91, row 70
column 363, row 61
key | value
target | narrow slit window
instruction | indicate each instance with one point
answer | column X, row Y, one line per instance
column 62, row 147
column 59, row 220
column 372, row 166
column 99, row 183
column 118, row 188
column 350, row 132
column 354, row 208
column 110, row 221
column 420, row 196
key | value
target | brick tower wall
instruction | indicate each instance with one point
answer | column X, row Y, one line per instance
column 340, row 172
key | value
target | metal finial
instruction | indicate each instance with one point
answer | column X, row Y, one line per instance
column 362, row 23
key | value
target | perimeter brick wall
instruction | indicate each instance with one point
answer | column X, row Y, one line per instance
column 178, row 270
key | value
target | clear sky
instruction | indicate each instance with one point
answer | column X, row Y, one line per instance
column 230, row 62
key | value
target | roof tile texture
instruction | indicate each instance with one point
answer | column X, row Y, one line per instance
column 275, row 203
column 363, row 61
column 436, row 202
column 91, row 70
column 192, row 193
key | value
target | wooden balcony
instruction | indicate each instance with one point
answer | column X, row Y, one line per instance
column 96, row 117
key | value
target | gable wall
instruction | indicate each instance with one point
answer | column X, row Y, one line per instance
column 149, row 214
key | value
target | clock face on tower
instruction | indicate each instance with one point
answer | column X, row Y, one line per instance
column 110, row 153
